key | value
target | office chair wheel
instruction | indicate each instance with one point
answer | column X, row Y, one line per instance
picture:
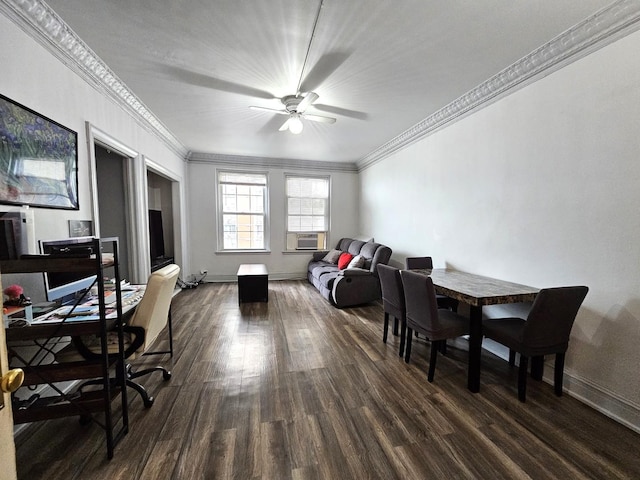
column 166, row 375
column 148, row 402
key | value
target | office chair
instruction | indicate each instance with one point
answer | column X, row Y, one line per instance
column 392, row 302
column 149, row 319
column 545, row 331
column 424, row 316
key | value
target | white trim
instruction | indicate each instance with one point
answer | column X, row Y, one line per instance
column 602, row 28
column 177, row 206
column 235, row 161
column 43, row 24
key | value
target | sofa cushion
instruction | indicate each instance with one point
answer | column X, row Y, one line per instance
column 344, row 260
column 318, row 269
column 332, row 256
column 356, row 262
column 344, row 244
column 328, row 279
column 368, row 250
column 355, row 247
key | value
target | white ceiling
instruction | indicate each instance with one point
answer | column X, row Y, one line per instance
column 379, row 66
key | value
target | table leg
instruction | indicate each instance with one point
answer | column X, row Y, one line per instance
column 475, row 348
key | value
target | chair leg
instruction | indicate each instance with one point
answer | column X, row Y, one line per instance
column 166, row 374
column 407, row 348
column 537, row 367
column 146, row 398
column 403, row 336
column 386, row 327
column 395, row 326
column 512, row 358
column 435, row 346
column 522, row 378
column 558, row 374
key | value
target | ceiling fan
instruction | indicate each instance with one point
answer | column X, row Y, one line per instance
column 295, row 107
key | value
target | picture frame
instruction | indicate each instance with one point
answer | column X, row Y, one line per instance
column 38, row 159
column 80, row 228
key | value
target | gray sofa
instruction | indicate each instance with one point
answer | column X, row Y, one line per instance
column 350, row 286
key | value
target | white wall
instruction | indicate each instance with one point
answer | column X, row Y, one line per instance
column 223, row 266
column 35, row 78
column 540, row 188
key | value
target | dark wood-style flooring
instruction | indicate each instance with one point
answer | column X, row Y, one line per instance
column 296, row 389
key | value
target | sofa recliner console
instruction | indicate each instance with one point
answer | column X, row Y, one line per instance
column 350, row 286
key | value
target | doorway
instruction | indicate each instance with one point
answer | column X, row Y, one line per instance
column 112, row 204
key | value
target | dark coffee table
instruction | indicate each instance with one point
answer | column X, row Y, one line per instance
column 253, row 283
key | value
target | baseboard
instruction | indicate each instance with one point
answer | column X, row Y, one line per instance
column 601, row 399
column 604, row 401
column 272, row 276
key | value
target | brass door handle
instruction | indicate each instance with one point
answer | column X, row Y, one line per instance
column 12, row 380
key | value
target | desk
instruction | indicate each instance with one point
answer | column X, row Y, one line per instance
column 477, row 291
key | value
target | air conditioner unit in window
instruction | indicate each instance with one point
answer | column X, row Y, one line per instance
column 306, row 241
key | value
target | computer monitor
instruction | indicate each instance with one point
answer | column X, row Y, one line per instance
column 64, row 285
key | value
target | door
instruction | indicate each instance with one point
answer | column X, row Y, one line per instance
column 7, row 447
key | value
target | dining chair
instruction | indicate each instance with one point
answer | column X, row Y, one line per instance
column 545, row 331
column 149, row 319
column 424, row 316
column 426, row 263
column 392, row 302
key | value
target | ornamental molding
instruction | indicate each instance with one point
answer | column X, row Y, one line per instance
column 40, row 22
column 602, row 28
column 261, row 162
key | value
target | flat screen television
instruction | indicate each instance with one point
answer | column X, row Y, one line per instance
column 156, row 235
column 64, row 285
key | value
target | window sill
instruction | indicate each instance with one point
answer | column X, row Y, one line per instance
column 242, row 252
column 300, row 252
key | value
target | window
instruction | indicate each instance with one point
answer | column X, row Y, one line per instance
column 307, row 212
column 242, row 210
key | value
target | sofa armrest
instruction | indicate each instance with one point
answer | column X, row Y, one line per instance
column 354, row 272
column 319, row 255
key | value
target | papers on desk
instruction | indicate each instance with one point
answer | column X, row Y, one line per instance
column 80, row 310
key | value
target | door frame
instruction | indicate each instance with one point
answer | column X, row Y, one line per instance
column 177, row 208
column 135, row 198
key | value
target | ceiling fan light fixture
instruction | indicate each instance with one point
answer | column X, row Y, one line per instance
column 295, row 124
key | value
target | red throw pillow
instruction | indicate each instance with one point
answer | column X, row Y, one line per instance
column 344, row 260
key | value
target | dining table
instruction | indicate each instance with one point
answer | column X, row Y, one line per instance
column 477, row 291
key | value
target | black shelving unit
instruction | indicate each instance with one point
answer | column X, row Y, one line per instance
column 102, row 261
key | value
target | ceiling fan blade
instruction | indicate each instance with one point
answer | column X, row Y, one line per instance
column 272, row 110
column 285, row 126
column 319, row 118
column 306, row 101
column 323, row 69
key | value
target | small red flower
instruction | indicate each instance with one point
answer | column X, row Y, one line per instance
column 13, row 291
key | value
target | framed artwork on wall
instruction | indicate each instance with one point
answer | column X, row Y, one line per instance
column 38, row 159
column 80, row 228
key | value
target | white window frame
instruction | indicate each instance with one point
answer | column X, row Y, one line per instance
column 290, row 234
column 220, row 210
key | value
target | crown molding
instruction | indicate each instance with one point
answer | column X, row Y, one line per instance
column 40, row 22
column 284, row 163
column 605, row 26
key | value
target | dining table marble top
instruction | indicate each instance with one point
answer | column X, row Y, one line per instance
column 478, row 290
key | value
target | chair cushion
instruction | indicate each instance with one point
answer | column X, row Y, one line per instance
column 92, row 342
column 509, row 332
